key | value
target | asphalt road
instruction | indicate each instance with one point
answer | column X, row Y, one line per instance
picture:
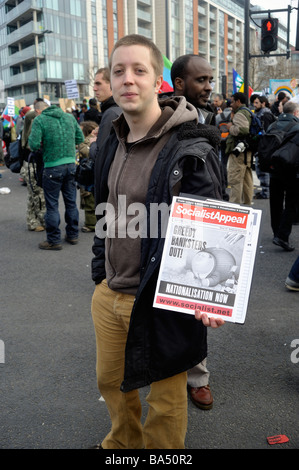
column 49, row 397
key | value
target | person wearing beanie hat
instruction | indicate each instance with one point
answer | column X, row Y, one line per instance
column 25, row 110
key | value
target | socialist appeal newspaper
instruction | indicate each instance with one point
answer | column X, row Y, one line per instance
column 208, row 258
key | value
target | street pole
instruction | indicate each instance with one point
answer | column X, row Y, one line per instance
column 246, row 48
column 297, row 35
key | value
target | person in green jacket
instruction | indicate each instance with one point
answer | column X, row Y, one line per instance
column 57, row 133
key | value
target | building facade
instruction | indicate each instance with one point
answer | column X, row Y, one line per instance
column 43, row 43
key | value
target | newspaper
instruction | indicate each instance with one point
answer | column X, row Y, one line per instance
column 208, row 258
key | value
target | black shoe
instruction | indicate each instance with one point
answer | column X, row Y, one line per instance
column 260, row 196
column 285, row 245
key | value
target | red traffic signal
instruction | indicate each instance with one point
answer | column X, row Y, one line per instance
column 269, row 37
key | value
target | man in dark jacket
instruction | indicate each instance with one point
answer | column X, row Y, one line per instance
column 153, row 153
column 284, row 187
column 109, row 110
column 281, row 98
column 93, row 114
column 192, row 77
column 263, row 112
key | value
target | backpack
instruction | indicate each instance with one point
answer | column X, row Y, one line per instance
column 221, row 123
column 256, row 129
column 12, row 158
column 267, row 119
column 38, row 167
column 85, row 172
column 268, row 144
column 286, row 158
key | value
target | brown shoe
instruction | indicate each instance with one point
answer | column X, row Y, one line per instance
column 49, row 246
column 201, row 397
column 39, row 229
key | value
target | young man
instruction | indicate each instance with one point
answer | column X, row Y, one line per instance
column 152, row 153
column 239, row 166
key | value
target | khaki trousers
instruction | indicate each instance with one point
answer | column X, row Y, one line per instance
column 239, row 176
column 166, row 423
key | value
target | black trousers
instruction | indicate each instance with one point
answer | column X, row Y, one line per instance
column 284, row 197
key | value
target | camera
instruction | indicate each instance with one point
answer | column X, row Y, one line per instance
column 240, row 148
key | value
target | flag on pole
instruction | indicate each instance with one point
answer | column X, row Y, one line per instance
column 167, row 83
column 238, row 84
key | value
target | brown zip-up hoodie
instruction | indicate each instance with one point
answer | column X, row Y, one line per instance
column 128, row 184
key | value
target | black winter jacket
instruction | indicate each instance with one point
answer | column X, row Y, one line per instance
column 161, row 343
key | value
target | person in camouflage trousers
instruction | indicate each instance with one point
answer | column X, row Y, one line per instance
column 36, row 205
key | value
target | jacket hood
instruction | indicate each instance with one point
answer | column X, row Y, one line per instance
column 175, row 111
column 178, row 111
column 53, row 111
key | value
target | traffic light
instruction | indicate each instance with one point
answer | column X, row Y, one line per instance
column 57, row 92
column 269, row 34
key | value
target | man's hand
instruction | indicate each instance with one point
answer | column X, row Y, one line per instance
column 93, row 135
column 209, row 321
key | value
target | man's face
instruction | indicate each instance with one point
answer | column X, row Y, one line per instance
column 257, row 104
column 101, row 88
column 133, row 79
column 235, row 104
column 198, row 84
column 280, row 107
column 217, row 102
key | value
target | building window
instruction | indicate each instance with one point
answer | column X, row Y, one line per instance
column 76, row 7
column 54, row 69
column 51, row 4
column 78, row 71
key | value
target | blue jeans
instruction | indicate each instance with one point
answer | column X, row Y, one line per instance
column 294, row 273
column 56, row 179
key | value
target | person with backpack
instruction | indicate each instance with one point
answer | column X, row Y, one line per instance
column 263, row 112
column 239, row 172
column 284, row 185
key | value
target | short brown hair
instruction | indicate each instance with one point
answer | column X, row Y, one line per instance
column 138, row 40
column 87, row 127
column 105, row 72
